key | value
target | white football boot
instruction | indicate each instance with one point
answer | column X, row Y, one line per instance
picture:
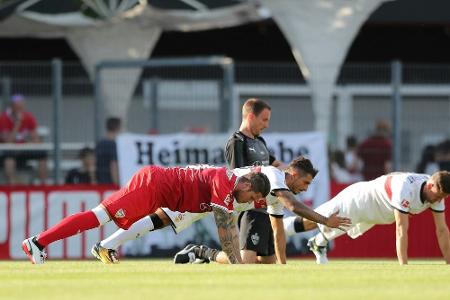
column 33, row 252
column 319, row 251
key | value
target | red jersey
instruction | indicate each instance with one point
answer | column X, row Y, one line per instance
column 193, row 189
column 375, row 152
column 28, row 124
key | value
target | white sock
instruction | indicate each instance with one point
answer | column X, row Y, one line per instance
column 136, row 230
column 320, row 240
column 288, row 223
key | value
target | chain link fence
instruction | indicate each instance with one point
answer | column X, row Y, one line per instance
column 168, row 99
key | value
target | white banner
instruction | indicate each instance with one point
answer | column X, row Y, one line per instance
column 136, row 151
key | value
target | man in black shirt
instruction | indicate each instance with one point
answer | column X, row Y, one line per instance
column 86, row 173
column 106, row 153
column 246, row 148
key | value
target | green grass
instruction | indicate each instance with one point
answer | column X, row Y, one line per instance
column 162, row 280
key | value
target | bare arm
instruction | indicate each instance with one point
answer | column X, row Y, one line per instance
column 279, row 239
column 228, row 235
column 401, row 236
column 442, row 234
column 289, row 201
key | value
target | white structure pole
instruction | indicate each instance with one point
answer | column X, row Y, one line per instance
column 320, row 33
column 122, row 40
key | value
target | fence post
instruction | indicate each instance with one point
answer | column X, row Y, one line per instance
column 97, row 101
column 57, row 97
column 228, row 102
column 6, row 91
column 396, row 102
column 150, row 91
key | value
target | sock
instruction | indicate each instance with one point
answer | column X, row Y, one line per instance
column 320, row 240
column 69, row 226
column 136, row 230
column 206, row 253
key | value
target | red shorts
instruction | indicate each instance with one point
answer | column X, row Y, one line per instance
column 127, row 206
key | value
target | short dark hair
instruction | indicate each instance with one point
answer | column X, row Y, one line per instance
column 304, row 165
column 85, row 152
column 113, row 124
column 442, row 180
column 255, row 106
column 260, row 183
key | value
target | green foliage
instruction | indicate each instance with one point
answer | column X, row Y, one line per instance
column 157, row 279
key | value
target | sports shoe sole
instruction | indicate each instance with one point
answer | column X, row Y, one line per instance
column 27, row 251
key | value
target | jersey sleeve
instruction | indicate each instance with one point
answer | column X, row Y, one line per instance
column 402, row 194
column 222, row 190
column 234, row 152
column 438, row 206
column 275, row 208
column 277, row 182
column 276, row 178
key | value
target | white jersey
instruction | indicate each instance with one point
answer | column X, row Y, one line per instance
column 373, row 202
column 277, row 182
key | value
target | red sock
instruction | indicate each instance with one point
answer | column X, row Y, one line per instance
column 69, row 226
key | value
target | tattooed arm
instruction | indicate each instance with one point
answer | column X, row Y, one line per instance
column 228, row 235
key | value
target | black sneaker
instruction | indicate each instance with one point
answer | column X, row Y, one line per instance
column 186, row 255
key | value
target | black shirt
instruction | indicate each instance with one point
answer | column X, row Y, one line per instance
column 242, row 151
column 105, row 152
column 75, row 176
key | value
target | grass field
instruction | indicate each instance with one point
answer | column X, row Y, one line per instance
column 161, row 280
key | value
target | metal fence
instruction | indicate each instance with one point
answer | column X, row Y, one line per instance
column 173, row 98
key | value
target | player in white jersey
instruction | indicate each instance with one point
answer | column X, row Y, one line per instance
column 384, row 200
column 283, row 186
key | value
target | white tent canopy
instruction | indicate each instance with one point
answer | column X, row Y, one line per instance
column 319, row 32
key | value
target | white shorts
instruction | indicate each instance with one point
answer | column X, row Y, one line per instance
column 352, row 203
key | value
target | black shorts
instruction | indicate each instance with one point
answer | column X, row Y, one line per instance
column 22, row 157
column 255, row 233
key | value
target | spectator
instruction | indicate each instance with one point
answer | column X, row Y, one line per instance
column 19, row 126
column 339, row 171
column 106, row 153
column 443, row 155
column 85, row 174
column 427, row 164
column 353, row 163
column 376, row 152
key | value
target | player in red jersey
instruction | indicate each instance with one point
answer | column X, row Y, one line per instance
column 192, row 189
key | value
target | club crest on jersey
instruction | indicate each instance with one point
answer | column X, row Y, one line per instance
column 255, row 238
column 120, row 214
column 405, row 203
column 228, row 200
